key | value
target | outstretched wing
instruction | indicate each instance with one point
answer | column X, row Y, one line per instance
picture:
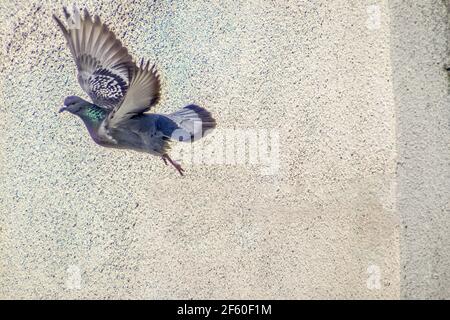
column 104, row 65
column 143, row 93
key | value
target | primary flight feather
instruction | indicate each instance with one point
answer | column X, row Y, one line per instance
column 121, row 93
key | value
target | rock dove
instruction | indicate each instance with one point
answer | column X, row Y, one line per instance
column 121, row 92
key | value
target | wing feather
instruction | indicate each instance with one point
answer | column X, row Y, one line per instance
column 104, row 65
column 143, row 93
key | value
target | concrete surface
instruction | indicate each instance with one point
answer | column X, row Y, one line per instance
column 342, row 95
column 420, row 34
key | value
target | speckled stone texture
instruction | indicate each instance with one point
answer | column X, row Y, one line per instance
column 420, row 50
column 81, row 221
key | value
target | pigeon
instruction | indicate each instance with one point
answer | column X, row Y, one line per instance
column 122, row 92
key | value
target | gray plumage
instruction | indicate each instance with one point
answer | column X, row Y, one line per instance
column 121, row 93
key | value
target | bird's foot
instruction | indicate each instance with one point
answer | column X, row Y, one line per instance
column 172, row 162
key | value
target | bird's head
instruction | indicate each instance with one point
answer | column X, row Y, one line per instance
column 74, row 105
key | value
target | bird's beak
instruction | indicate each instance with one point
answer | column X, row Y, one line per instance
column 62, row 109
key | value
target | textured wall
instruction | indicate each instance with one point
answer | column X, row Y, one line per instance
column 420, row 37
column 317, row 220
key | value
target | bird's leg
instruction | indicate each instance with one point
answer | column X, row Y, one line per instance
column 177, row 166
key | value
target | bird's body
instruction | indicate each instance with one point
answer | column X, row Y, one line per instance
column 140, row 134
column 122, row 92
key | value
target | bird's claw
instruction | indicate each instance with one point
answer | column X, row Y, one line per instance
column 174, row 163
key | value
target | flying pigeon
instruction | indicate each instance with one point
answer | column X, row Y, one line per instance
column 122, row 92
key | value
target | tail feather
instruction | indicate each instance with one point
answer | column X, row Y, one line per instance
column 188, row 124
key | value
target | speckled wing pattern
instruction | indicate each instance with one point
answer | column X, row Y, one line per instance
column 104, row 65
column 143, row 93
